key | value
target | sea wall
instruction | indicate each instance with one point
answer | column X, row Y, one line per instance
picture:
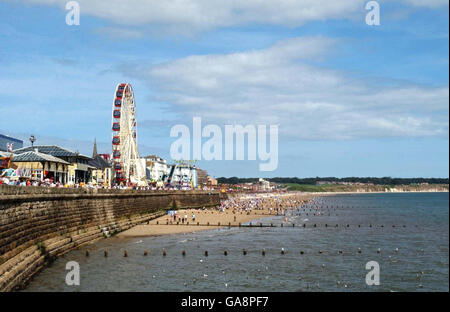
column 38, row 224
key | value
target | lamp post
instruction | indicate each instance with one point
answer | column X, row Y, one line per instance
column 32, row 140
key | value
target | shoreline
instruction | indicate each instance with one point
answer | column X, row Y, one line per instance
column 374, row 192
column 216, row 218
column 159, row 226
column 154, row 229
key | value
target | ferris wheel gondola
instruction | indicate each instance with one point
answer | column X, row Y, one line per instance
column 127, row 163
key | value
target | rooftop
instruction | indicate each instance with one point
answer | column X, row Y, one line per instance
column 99, row 162
column 33, row 156
column 53, row 150
column 154, row 158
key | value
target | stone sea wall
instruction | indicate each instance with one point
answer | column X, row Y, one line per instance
column 38, row 224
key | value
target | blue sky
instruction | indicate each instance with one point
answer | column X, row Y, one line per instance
column 349, row 99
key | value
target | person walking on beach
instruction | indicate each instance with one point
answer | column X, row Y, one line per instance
column 193, row 217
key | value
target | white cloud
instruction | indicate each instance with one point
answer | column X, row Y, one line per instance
column 277, row 86
column 427, row 3
column 188, row 16
column 208, row 14
column 120, row 32
column 191, row 16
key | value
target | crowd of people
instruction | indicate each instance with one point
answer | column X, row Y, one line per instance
column 27, row 182
column 180, row 217
column 238, row 208
column 51, row 183
column 274, row 203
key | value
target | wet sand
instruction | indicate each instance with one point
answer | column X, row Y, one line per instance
column 231, row 215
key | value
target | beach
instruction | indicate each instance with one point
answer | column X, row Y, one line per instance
column 233, row 211
column 413, row 255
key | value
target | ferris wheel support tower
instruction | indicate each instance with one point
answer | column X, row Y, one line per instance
column 127, row 164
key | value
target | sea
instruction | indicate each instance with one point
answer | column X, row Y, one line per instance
column 354, row 242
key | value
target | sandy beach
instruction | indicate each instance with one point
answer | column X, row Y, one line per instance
column 241, row 209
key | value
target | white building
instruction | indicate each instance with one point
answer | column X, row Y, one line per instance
column 179, row 174
column 157, row 168
column 264, row 185
column 184, row 175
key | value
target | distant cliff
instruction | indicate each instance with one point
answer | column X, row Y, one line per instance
column 365, row 188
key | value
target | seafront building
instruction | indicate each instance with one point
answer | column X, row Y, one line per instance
column 101, row 173
column 40, row 166
column 202, row 177
column 211, row 181
column 156, row 168
column 263, row 185
column 52, row 163
column 184, row 175
column 79, row 170
column 180, row 174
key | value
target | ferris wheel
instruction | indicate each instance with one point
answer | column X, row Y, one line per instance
column 127, row 166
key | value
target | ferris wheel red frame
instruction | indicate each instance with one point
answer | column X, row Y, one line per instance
column 127, row 166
